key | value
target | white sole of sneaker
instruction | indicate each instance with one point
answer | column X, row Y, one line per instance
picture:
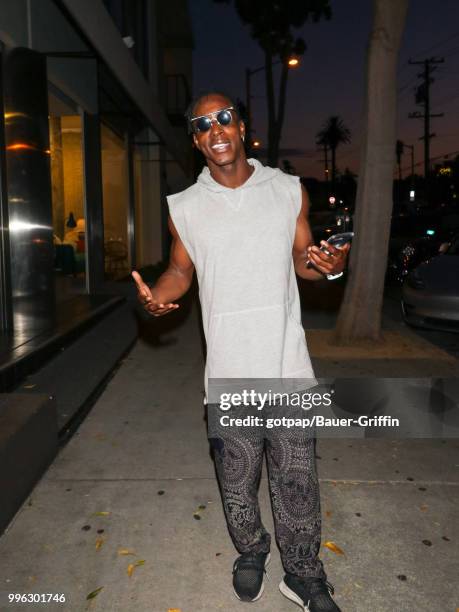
column 268, row 559
column 287, row 592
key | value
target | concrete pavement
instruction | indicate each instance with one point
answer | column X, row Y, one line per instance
column 137, row 478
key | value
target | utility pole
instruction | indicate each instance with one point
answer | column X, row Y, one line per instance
column 411, row 147
column 325, row 161
column 291, row 62
column 423, row 97
column 399, row 152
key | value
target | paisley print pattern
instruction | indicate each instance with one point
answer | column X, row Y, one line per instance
column 294, row 490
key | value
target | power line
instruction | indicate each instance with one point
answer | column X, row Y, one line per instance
column 434, row 46
column 433, row 159
column 403, row 87
column 448, row 137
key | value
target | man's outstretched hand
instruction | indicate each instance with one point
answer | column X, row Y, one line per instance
column 147, row 298
column 333, row 263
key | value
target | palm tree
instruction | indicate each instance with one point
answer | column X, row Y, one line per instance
column 322, row 142
column 272, row 25
column 332, row 134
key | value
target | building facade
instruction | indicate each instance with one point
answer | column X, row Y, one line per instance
column 93, row 138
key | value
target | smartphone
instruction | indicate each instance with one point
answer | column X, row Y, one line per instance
column 338, row 241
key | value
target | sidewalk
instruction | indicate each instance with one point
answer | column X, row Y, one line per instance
column 138, row 476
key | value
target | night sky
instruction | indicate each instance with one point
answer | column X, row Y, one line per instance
column 330, row 80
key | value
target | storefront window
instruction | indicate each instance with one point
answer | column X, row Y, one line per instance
column 149, row 204
column 116, row 202
column 68, row 202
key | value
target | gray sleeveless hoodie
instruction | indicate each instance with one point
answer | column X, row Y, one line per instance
column 240, row 241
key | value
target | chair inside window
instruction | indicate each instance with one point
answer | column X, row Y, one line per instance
column 116, row 256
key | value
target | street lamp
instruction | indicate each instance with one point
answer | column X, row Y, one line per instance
column 255, row 145
column 292, row 62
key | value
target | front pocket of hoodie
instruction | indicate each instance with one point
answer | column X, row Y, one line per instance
column 255, row 343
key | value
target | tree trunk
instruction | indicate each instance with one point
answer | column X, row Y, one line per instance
column 333, row 165
column 271, row 105
column 360, row 314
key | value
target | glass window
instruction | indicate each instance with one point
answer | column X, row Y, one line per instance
column 116, row 200
column 69, row 224
column 150, row 207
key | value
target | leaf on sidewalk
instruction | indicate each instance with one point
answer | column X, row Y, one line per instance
column 94, row 593
column 125, row 551
column 423, row 508
column 328, row 513
column 99, row 543
column 132, row 566
column 104, row 513
column 334, row 547
column 197, row 512
column 178, row 610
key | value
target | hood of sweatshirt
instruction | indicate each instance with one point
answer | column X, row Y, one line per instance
column 261, row 174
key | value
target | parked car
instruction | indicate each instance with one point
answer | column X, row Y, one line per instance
column 430, row 293
column 405, row 255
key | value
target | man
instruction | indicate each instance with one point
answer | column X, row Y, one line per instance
column 244, row 228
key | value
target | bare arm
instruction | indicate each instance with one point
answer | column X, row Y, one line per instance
column 172, row 284
column 304, row 250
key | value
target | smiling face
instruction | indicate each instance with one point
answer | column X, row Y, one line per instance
column 221, row 144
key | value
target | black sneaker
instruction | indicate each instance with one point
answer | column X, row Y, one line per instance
column 248, row 575
column 311, row 594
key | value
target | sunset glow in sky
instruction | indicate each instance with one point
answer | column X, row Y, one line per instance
column 330, row 78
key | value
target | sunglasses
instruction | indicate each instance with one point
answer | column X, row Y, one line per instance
column 203, row 123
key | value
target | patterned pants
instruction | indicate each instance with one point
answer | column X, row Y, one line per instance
column 294, row 490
